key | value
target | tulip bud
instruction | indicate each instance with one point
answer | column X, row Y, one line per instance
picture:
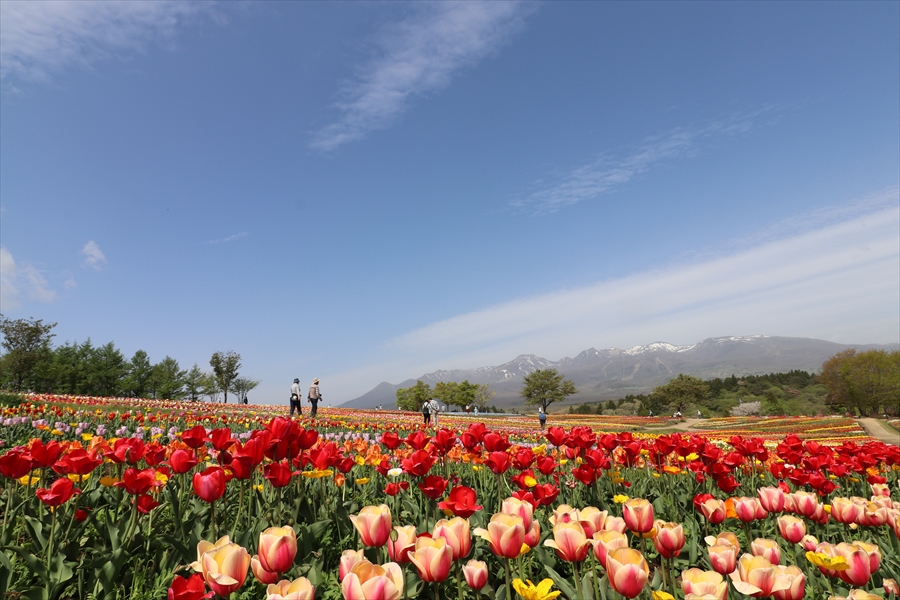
column 628, row 571
column 476, row 574
column 638, row 515
column 373, row 524
column 277, row 549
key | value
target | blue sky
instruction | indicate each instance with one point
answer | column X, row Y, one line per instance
column 365, row 192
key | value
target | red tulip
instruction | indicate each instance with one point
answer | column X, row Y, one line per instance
column 278, row 474
column 188, row 588
column 194, row 437
column 433, row 486
column 498, row 462
column 77, row 462
column 145, row 503
column 221, row 438
column 391, row 440
column 137, row 481
column 43, row 455
column 209, row 484
column 182, row 461
column 59, row 492
column 15, row 464
column 392, row 489
column 418, row 463
column 461, row 502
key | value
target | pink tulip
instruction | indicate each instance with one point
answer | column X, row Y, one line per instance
column 366, row 581
column 514, row 506
column 615, row 524
column 704, row 584
column 456, row 532
column 805, row 503
column 771, row 498
column 723, row 558
column 714, row 510
column 809, row 543
column 669, row 539
column 349, row 559
column 476, row 574
column 860, row 566
column 755, row 576
column 796, row 583
column 791, row 528
column 592, row 519
column 400, row 548
column 277, row 549
column 628, row 571
column 606, row 541
column 533, row 535
column 638, row 515
column 749, row 509
column 224, row 567
column 374, row 525
column 506, row 534
column 433, row 558
column 844, row 510
column 766, row 548
column 891, row 587
column 263, row 576
column 569, row 541
column 298, row 589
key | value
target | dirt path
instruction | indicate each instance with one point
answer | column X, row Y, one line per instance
column 880, row 431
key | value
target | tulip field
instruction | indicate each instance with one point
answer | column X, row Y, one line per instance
column 113, row 498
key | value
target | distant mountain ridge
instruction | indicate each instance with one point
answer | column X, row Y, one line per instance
column 613, row 372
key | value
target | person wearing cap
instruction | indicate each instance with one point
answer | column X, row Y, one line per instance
column 295, row 398
column 314, row 396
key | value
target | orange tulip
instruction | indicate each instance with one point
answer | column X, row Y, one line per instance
column 791, row 528
column 506, row 534
column 224, row 565
column 606, row 541
column 703, row 584
column 433, row 557
column 298, row 589
column 669, row 539
column 755, row 576
column 570, row 542
column 277, row 549
column 405, row 543
column 373, row 524
column 366, row 581
column 456, row 532
column 766, row 548
column 476, row 574
column 638, row 515
column 628, row 571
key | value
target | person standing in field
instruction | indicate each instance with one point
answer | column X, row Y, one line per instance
column 295, row 398
column 435, row 407
column 542, row 417
column 314, row 396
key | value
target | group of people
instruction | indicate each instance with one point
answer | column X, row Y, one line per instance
column 314, row 396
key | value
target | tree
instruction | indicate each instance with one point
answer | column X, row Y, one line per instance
column 108, row 369
column 546, row 386
column 194, row 383
column 168, row 379
column 681, row 391
column 483, row 395
column 139, row 372
column 209, row 388
column 868, row 381
column 225, row 369
column 242, row 385
column 413, row 397
column 26, row 341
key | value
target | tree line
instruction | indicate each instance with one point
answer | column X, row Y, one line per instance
column 451, row 393
column 31, row 362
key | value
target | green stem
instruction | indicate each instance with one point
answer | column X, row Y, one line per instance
column 50, row 539
column 508, row 578
column 212, row 518
column 459, row 593
column 240, row 508
column 577, row 580
column 71, row 521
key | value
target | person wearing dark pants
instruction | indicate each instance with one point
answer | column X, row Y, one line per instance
column 314, row 396
column 295, row 398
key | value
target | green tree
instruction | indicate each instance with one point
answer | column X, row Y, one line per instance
column 140, row 369
column 209, row 387
column 108, row 370
column 194, row 383
column 225, row 369
column 242, row 386
column 460, row 394
column 413, row 397
column 546, row 386
column 483, row 395
column 168, row 379
column 27, row 342
column 681, row 391
column 868, row 381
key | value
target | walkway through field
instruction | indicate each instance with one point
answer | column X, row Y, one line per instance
column 880, row 431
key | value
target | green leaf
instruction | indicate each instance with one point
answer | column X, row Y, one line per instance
column 109, row 573
column 36, row 531
column 561, row 583
column 37, row 593
column 60, row 571
column 6, row 573
column 34, row 563
column 587, row 586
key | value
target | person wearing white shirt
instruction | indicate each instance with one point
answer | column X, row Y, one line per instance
column 295, row 398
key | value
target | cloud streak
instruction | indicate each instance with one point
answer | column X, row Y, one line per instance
column 18, row 281
column 230, row 238
column 606, row 173
column 40, row 38
column 93, row 256
column 839, row 281
column 418, row 56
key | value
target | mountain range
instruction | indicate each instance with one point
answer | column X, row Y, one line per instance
column 613, row 372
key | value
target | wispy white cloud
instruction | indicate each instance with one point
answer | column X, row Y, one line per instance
column 418, row 56
column 19, row 281
column 606, row 173
column 230, row 238
column 839, row 281
column 93, row 256
column 39, row 38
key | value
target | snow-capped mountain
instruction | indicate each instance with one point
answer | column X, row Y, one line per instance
column 615, row 372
